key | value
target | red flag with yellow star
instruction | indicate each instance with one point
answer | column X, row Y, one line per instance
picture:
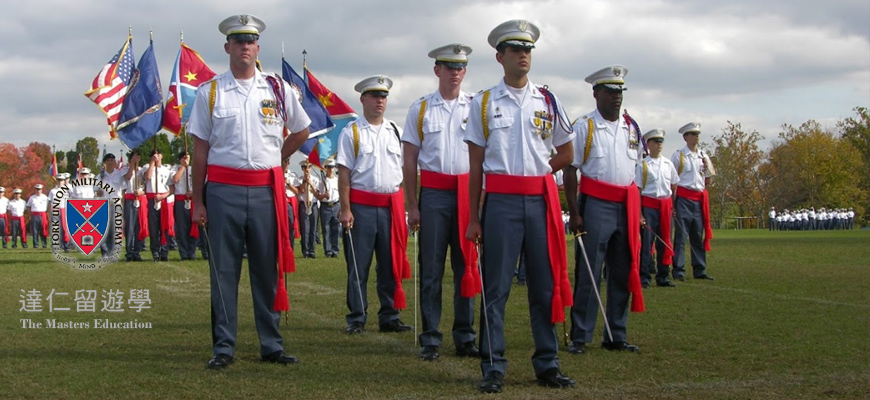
column 190, row 71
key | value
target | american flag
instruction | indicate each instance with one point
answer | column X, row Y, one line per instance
column 110, row 86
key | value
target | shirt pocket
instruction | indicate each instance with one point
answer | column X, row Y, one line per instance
column 366, row 158
column 224, row 124
column 500, row 129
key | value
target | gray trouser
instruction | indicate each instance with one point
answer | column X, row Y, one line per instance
column 514, row 224
column 131, row 229
column 648, row 265
column 307, row 228
column 689, row 220
column 15, row 230
column 64, row 238
column 3, row 236
column 156, row 231
column 242, row 216
column 606, row 242
column 108, row 243
column 186, row 243
column 371, row 236
column 36, row 231
column 439, row 227
column 330, row 227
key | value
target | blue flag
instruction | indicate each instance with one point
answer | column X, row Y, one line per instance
column 320, row 120
column 142, row 113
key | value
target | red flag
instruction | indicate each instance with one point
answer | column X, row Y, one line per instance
column 334, row 105
column 189, row 72
column 109, row 87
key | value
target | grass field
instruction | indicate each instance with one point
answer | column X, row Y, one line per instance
column 787, row 317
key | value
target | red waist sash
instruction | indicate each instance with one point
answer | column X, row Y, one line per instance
column 470, row 285
column 665, row 207
column 167, row 217
column 543, row 186
column 295, row 203
column 44, row 221
column 701, row 196
column 143, row 214
column 275, row 179
column 629, row 196
column 398, row 235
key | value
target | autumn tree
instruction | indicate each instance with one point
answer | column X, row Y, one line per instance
column 20, row 168
column 736, row 157
column 856, row 131
column 811, row 167
column 178, row 145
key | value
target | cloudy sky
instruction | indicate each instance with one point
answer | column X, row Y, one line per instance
column 761, row 63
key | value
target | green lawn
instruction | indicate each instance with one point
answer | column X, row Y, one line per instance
column 787, row 317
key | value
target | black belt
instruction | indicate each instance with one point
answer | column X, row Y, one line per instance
column 330, row 204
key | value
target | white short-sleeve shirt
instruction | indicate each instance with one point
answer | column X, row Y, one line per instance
column 660, row 175
column 245, row 130
column 521, row 136
column 442, row 149
column 38, row 203
column 376, row 166
column 694, row 168
column 181, row 186
column 16, row 207
column 160, row 180
column 614, row 153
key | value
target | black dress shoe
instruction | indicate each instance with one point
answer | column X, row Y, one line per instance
column 579, row 348
column 707, row 277
column 395, row 326
column 492, row 382
column 620, row 346
column 644, row 285
column 164, row 258
column 220, row 361
column 429, row 353
column 468, row 349
column 553, row 378
column 667, row 284
column 280, row 357
column 354, row 329
column 680, row 278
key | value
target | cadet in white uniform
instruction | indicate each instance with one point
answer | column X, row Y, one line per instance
column 433, row 141
column 57, row 218
column 37, row 204
column 158, row 177
column 238, row 122
column 135, row 217
column 373, row 209
column 186, row 233
column 607, row 150
column 15, row 216
column 692, row 205
column 513, row 128
column 657, row 179
column 112, row 176
column 306, row 188
column 82, row 191
column 327, row 194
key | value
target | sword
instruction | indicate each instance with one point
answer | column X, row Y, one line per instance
column 416, row 297
column 658, row 237
column 479, row 247
column 214, row 269
column 594, row 284
column 355, row 268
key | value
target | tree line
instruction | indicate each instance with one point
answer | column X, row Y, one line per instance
column 24, row 167
column 806, row 166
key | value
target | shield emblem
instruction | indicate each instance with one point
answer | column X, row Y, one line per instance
column 87, row 220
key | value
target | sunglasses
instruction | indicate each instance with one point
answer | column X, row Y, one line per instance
column 693, row 133
column 657, row 140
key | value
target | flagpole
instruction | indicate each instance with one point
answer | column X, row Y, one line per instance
column 304, row 61
column 182, row 36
